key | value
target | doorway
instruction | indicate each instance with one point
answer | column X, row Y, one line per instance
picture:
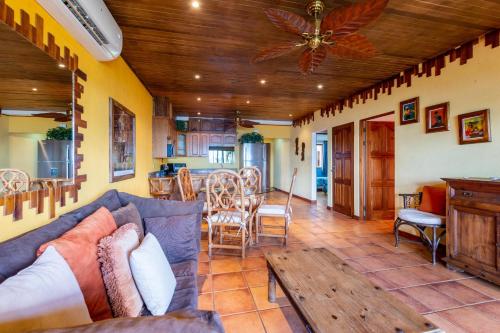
column 321, row 167
column 377, row 167
column 343, row 169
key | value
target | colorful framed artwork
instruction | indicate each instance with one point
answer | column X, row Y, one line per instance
column 409, row 111
column 474, row 127
column 122, row 142
column 436, row 118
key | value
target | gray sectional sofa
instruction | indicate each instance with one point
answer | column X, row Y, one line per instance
column 182, row 315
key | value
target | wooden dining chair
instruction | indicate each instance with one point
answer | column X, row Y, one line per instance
column 276, row 211
column 185, row 183
column 161, row 188
column 14, row 181
column 225, row 193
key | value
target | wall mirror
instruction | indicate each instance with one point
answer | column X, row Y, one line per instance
column 36, row 117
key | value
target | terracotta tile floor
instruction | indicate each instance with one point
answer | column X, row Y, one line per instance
column 237, row 288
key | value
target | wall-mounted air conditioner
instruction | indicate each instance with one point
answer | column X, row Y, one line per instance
column 90, row 23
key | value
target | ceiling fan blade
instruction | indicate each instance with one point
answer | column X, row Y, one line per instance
column 289, row 22
column 275, row 51
column 349, row 19
column 353, row 46
column 49, row 115
column 245, row 125
column 249, row 122
column 311, row 59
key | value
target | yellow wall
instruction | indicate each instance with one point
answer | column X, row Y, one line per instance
column 105, row 80
column 4, row 141
column 423, row 158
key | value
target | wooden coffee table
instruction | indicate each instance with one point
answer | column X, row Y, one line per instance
column 330, row 296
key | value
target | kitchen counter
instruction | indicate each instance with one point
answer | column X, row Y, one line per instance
column 194, row 172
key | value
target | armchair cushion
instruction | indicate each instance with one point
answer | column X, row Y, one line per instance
column 433, row 200
column 417, row 216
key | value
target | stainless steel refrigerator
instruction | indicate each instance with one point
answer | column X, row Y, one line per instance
column 257, row 155
column 55, row 159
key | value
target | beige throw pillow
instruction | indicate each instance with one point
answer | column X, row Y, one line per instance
column 114, row 252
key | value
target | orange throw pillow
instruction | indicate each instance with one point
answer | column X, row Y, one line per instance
column 434, row 200
column 78, row 247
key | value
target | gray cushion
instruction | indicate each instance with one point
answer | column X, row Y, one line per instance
column 177, row 236
column 18, row 253
column 109, row 200
column 149, row 208
column 128, row 214
column 192, row 321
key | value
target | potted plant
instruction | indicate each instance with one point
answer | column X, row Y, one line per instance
column 60, row 134
column 253, row 137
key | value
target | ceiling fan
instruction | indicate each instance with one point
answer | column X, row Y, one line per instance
column 335, row 33
column 238, row 122
column 57, row 116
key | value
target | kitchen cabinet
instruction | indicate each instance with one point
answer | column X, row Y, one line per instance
column 164, row 133
column 181, row 149
column 204, row 144
column 216, row 139
column 194, row 124
column 229, row 140
column 473, row 227
column 198, row 144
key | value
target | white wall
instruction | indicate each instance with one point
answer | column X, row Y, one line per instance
column 423, row 158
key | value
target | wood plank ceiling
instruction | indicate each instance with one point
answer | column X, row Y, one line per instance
column 168, row 42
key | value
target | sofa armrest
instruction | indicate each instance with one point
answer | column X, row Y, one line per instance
column 192, row 321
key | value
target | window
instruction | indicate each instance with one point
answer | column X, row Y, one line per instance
column 221, row 155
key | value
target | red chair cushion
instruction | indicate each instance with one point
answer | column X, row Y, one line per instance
column 434, row 200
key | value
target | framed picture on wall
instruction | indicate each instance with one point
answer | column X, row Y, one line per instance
column 436, row 118
column 122, row 142
column 409, row 111
column 474, row 127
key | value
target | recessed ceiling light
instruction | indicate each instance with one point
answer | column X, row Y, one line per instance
column 61, row 65
column 263, row 81
column 199, row 113
column 248, row 102
column 290, row 115
column 320, row 86
column 198, row 99
column 34, row 89
column 197, row 76
column 195, row 4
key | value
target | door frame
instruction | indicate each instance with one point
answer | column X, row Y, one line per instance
column 362, row 162
column 332, row 170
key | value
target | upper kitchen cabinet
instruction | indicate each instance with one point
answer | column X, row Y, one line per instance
column 164, row 131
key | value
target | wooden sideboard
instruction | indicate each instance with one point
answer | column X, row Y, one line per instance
column 473, row 227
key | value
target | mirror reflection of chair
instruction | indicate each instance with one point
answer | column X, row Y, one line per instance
column 276, row 211
column 14, row 181
column 225, row 193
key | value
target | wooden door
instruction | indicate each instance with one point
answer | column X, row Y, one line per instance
column 193, row 144
column 342, row 169
column 204, row 144
column 380, row 197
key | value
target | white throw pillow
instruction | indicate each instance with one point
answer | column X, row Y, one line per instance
column 42, row 296
column 153, row 275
